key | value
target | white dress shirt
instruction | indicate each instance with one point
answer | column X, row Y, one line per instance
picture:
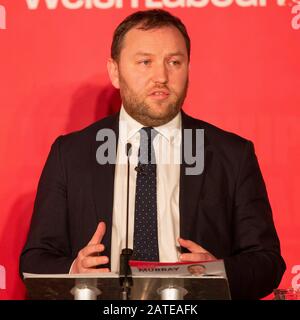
column 167, row 153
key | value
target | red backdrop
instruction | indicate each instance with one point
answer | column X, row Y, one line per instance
column 245, row 77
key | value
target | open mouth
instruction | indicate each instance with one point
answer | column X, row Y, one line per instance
column 159, row 95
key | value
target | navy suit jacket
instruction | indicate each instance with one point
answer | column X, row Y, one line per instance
column 225, row 209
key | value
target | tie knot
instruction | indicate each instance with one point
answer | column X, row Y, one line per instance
column 146, row 151
column 148, row 134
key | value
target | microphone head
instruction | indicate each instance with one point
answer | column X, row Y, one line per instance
column 128, row 149
column 140, row 169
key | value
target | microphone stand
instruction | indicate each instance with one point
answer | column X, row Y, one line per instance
column 125, row 274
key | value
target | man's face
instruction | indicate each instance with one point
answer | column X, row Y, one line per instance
column 197, row 269
column 152, row 74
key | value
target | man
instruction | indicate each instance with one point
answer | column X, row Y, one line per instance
column 79, row 220
column 197, row 269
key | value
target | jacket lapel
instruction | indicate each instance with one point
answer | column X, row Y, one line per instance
column 190, row 185
column 103, row 180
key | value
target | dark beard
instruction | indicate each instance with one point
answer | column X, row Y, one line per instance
column 139, row 109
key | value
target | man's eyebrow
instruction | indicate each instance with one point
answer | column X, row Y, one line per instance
column 178, row 53
column 140, row 53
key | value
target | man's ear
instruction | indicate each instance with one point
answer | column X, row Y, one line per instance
column 113, row 72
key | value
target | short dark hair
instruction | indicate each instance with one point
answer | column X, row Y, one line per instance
column 148, row 19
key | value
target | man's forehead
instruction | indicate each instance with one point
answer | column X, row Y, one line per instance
column 144, row 53
column 141, row 41
column 139, row 30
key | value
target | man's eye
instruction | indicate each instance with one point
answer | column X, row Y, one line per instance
column 175, row 62
column 145, row 62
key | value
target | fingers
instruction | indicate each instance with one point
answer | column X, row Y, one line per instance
column 198, row 253
column 91, row 262
column 191, row 246
column 88, row 263
column 89, row 257
column 193, row 257
column 98, row 235
column 91, row 250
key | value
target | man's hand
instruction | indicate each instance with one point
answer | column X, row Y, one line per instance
column 197, row 252
column 88, row 257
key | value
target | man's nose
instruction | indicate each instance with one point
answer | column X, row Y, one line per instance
column 160, row 73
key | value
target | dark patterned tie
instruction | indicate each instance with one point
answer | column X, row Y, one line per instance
column 145, row 243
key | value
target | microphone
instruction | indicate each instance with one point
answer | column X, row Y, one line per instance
column 125, row 270
column 128, row 154
column 128, row 149
column 139, row 168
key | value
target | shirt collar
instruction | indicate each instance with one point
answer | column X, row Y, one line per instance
column 168, row 130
